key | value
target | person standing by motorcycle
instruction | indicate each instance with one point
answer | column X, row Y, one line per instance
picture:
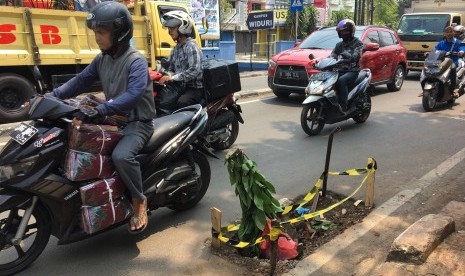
column 185, row 64
column 128, row 91
column 349, row 51
column 451, row 44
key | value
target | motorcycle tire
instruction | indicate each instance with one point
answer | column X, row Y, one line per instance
column 28, row 250
column 428, row 101
column 233, row 130
column 363, row 116
column 204, row 171
column 308, row 116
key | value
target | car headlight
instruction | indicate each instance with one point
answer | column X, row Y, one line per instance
column 17, row 169
column 272, row 64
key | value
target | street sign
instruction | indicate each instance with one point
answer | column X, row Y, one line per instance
column 260, row 20
column 297, row 5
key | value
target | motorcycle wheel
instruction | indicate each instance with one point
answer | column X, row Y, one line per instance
column 363, row 116
column 233, row 131
column 429, row 101
column 202, row 168
column 15, row 258
column 309, row 120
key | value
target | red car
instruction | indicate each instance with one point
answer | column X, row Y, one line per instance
column 289, row 70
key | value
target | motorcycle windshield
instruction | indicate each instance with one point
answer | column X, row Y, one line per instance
column 435, row 58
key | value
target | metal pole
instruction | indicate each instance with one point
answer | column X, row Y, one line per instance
column 296, row 24
column 328, row 157
column 356, row 13
column 251, row 50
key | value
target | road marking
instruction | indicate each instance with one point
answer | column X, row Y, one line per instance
column 328, row 251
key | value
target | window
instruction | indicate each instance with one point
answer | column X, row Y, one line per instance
column 456, row 20
column 394, row 39
column 372, row 37
column 386, row 39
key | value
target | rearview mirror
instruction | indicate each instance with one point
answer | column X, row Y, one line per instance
column 371, row 46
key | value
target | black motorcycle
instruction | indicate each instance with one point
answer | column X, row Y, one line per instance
column 37, row 201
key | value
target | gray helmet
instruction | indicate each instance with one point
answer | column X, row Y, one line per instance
column 459, row 31
column 114, row 15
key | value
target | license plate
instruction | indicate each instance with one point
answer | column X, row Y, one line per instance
column 23, row 133
column 290, row 75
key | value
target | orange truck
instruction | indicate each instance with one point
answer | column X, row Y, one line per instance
column 59, row 42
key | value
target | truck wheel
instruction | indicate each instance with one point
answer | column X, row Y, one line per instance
column 14, row 91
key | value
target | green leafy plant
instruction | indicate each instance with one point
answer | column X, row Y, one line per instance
column 254, row 192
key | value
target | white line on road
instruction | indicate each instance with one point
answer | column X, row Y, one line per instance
column 327, row 252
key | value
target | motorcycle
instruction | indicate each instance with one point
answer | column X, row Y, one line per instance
column 435, row 80
column 321, row 105
column 224, row 116
column 37, row 201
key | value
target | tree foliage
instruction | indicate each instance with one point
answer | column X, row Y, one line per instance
column 308, row 19
column 337, row 16
column 255, row 195
column 225, row 9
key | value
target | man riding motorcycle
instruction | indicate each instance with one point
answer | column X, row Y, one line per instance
column 451, row 44
column 185, row 76
column 350, row 51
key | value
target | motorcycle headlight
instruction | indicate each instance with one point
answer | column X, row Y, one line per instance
column 17, row 169
column 318, row 90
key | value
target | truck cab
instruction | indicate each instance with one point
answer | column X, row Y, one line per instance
column 420, row 32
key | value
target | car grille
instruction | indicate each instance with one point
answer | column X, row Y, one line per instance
column 416, row 55
column 291, row 75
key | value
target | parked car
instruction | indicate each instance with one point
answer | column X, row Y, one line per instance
column 288, row 71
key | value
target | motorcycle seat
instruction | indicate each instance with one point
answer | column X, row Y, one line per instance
column 165, row 128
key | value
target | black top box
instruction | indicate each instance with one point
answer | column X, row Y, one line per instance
column 220, row 78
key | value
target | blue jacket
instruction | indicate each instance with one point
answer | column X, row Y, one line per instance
column 453, row 45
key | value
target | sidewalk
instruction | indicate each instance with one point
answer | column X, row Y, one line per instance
column 420, row 231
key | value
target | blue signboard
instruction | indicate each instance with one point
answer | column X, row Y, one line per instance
column 296, row 5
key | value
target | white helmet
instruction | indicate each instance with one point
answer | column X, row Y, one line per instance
column 459, row 31
column 179, row 19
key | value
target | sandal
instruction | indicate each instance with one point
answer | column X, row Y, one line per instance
column 135, row 221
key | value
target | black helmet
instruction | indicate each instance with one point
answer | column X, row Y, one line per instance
column 345, row 24
column 114, row 15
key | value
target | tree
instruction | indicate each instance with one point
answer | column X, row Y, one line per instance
column 308, row 19
column 337, row 16
column 225, row 8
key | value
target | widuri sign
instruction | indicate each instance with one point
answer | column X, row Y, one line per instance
column 260, row 20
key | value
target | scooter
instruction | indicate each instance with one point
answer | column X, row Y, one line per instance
column 435, row 80
column 321, row 105
column 37, row 201
column 224, row 116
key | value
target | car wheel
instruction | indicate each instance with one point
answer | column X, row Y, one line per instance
column 398, row 79
column 281, row 94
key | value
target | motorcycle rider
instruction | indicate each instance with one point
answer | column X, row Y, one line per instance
column 349, row 50
column 185, row 63
column 459, row 32
column 128, row 90
column 451, row 44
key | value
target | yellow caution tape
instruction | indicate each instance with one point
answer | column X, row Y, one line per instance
column 275, row 232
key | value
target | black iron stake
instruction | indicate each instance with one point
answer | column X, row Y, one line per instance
column 328, row 157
